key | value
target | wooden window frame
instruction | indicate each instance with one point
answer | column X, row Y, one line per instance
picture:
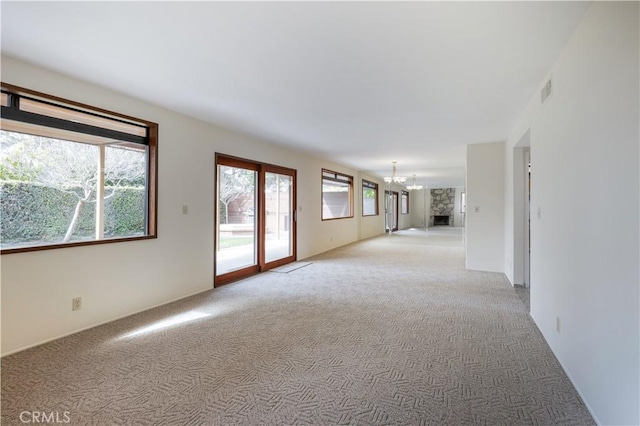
column 340, row 178
column 404, row 194
column 367, row 184
column 93, row 120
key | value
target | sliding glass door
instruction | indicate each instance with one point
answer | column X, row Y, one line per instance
column 255, row 226
column 237, row 230
column 279, row 216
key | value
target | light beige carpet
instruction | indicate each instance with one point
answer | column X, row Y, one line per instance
column 290, row 267
column 391, row 330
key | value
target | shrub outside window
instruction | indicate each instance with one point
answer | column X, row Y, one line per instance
column 369, row 198
column 337, row 199
column 71, row 174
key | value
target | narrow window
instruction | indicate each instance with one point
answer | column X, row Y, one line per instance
column 337, row 199
column 369, row 198
column 404, row 202
column 71, row 174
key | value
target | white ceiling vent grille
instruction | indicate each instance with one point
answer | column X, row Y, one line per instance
column 546, row 92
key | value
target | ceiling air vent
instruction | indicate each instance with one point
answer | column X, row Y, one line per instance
column 546, row 92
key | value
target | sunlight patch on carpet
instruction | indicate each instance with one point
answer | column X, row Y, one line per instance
column 169, row 322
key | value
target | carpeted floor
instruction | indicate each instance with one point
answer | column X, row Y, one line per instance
column 391, row 330
column 523, row 294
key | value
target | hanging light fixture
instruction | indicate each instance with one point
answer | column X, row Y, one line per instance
column 394, row 176
column 414, row 186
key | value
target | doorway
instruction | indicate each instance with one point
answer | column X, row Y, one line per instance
column 255, row 218
column 527, row 219
column 391, row 211
column 521, row 211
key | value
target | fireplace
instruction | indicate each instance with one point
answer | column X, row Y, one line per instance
column 441, row 220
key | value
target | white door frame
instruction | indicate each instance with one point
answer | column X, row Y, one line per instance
column 527, row 221
column 521, row 256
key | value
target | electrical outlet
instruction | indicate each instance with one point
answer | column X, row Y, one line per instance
column 76, row 304
column 558, row 324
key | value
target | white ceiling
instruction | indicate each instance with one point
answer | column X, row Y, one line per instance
column 361, row 83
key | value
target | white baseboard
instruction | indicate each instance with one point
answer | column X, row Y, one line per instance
column 568, row 373
column 100, row 323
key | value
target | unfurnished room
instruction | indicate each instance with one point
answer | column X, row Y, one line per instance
column 320, row 213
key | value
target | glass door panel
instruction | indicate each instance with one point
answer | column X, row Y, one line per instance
column 391, row 210
column 278, row 216
column 394, row 210
column 237, row 233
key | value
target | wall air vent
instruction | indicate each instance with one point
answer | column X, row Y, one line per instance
column 546, row 92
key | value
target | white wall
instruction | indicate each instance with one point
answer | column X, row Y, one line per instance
column 118, row 279
column 585, row 181
column 427, row 206
column 458, row 218
column 418, row 207
column 485, row 192
column 516, row 192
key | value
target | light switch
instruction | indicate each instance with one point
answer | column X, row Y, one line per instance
column 185, row 209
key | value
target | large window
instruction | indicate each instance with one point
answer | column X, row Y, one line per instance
column 369, row 198
column 71, row 174
column 404, row 202
column 337, row 200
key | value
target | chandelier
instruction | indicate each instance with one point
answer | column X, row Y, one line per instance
column 414, row 186
column 394, row 176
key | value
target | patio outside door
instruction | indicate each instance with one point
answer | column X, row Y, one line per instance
column 237, row 222
column 279, row 216
column 255, row 225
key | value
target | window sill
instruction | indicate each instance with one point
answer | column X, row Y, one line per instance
column 75, row 244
